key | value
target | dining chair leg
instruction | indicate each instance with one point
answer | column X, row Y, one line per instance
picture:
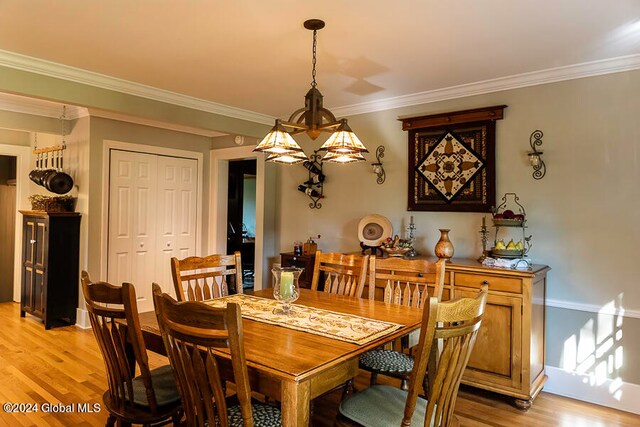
column 347, row 390
column 111, row 421
column 176, row 419
column 374, row 378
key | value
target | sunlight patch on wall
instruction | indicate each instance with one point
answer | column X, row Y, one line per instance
column 597, row 351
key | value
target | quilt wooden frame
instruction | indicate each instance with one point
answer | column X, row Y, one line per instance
column 451, row 164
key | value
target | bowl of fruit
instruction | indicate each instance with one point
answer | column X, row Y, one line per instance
column 510, row 250
column 396, row 247
column 508, row 218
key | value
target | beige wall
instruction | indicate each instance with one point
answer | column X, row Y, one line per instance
column 582, row 215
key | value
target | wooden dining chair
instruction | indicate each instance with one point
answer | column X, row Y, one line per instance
column 406, row 282
column 150, row 398
column 340, row 274
column 452, row 326
column 191, row 332
column 199, row 279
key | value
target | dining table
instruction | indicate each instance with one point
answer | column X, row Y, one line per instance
column 296, row 366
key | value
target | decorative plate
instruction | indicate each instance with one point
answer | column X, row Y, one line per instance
column 374, row 229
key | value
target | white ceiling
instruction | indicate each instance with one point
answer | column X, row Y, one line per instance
column 255, row 54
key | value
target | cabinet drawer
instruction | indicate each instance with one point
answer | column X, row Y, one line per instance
column 496, row 283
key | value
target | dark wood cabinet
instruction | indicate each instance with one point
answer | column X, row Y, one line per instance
column 288, row 259
column 50, row 252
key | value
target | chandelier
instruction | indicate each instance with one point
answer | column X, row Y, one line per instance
column 343, row 146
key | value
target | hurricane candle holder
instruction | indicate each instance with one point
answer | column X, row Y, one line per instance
column 286, row 288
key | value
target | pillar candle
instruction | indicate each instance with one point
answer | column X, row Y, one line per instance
column 286, row 284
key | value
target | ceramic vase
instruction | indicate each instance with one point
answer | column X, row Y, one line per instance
column 444, row 247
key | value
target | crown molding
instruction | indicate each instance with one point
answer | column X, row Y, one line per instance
column 77, row 75
column 39, row 107
column 551, row 75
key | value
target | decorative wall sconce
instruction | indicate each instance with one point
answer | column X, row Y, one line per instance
column 377, row 166
column 535, row 157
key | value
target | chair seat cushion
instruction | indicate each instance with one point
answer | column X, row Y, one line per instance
column 386, row 361
column 164, row 386
column 263, row 416
column 381, row 405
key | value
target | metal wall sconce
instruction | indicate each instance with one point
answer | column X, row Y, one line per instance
column 535, row 157
column 377, row 166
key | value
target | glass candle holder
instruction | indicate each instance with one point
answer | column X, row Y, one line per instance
column 286, row 288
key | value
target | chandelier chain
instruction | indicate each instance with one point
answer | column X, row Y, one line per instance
column 313, row 70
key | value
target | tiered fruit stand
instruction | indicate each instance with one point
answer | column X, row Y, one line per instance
column 507, row 216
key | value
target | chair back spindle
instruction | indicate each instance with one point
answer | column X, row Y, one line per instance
column 200, row 279
column 407, row 281
column 341, row 274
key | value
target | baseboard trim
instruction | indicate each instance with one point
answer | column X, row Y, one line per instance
column 82, row 319
column 611, row 393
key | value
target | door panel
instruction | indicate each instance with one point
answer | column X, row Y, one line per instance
column 132, row 222
column 29, row 262
column 496, row 355
column 177, row 188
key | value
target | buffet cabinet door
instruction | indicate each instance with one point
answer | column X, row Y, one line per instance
column 496, row 356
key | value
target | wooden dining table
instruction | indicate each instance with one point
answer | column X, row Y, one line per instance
column 294, row 366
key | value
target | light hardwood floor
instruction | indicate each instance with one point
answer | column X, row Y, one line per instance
column 64, row 365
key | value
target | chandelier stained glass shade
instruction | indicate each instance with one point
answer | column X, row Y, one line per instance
column 450, row 166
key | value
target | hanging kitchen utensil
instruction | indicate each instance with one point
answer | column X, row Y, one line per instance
column 58, row 182
column 34, row 173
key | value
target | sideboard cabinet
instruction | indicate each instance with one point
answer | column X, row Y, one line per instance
column 509, row 353
column 289, row 259
column 50, row 251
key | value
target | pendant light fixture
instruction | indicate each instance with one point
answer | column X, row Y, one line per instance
column 343, row 146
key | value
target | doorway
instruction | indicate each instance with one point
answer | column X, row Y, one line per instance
column 241, row 216
column 8, row 207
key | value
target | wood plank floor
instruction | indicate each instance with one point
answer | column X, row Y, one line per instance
column 64, row 365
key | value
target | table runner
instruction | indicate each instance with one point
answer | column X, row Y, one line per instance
column 340, row 326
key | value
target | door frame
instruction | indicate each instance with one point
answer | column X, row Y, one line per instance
column 109, row 145
column 22, row 153
column 218, row 203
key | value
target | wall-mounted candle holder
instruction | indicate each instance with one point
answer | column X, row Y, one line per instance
column 535, row 157
column 377, row 166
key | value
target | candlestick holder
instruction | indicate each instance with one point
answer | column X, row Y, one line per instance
column 484, row 237
column 411, row 231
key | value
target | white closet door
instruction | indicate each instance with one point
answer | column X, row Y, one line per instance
column 176, row 214
column 132, row 222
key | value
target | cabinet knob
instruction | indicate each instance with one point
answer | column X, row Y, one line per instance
column 168, row 244
column 141, row 244
column 485, row 282
column 32, row 241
